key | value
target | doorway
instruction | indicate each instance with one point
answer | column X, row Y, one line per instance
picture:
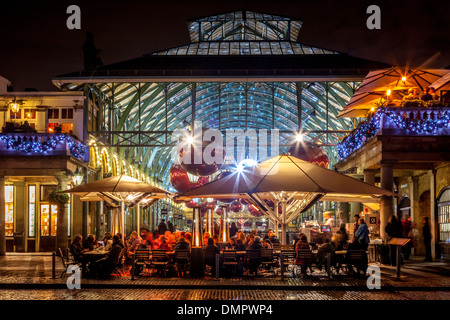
column 48, row 215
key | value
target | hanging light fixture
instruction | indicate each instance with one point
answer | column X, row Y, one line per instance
column 14, row 105
column 77, row 177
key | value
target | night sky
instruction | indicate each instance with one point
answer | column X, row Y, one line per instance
column 36, row 44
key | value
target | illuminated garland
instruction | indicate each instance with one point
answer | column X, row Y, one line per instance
column 29, row 145
column 370, row 127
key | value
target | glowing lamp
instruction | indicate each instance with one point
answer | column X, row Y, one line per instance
column 299, row 137
column 224, row 234
column 14, row 106
column 388, row 93
column 403, row 78
column 77, row 178
column 197, row 232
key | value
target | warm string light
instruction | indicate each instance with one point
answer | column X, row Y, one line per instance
column 370, row 127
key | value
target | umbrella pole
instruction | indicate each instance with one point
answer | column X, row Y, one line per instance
column 275, row 222
column 138, row 218
column 122, row 223
column 283, row 220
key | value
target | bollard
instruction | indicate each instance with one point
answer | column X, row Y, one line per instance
column 53, row 265
column 217, row 267
column 132, row 266
column 282, row 266
column 329, row 264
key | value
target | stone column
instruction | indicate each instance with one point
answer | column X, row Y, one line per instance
column 387, row 205
column 62, row 217
column 20, row 210
column 2, row 217
column 433, row 222
column 369, row 177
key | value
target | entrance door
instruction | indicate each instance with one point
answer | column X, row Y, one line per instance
column 48, row 214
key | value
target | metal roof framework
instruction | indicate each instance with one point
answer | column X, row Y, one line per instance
column 137, row 116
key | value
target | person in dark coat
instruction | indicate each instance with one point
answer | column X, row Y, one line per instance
column 394, row 229
column 427, row 239
column 102, row 268
column 162, row 227
column 233, row 229
column 210, row 252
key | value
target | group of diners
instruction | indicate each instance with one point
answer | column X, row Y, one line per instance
column 118, row 253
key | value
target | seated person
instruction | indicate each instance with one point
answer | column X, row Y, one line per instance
column 182, row 244
column 90, row 243
column 324, row 249
column 134, row 243
column 231, row 244
column 341, row 237
column 426, row 96
column 302, row 245
column 267, row 244
column 412, row 95
column 181, row 263
column 210, row 252
column 103, row 267
column 163, row 244
column 107, row 240
column 76, row 248
column 255, row 245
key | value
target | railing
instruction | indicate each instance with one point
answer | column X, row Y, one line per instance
column 41, row 144
column 408, row 121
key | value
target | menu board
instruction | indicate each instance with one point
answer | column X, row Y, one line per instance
column 399, row 241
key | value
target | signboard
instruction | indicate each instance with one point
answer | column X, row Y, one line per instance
column 399, row 241
column 163, row 211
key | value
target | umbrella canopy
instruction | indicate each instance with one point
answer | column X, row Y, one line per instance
column 291, row 182
column 119, row 188
column 400, row 78
column 442, row 83
column 362, row 102
column 289, row 174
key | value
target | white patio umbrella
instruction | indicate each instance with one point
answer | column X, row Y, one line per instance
column 120, row 189
column 291, row 182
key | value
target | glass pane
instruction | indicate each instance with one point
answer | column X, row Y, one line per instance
column 9, row 210
column 31, row 210
column 45, row 222
column 54, row 219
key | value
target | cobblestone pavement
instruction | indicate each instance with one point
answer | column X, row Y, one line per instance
column 25, row 276
column 221, row 294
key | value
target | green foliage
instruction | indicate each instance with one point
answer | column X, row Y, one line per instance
column 58, row 198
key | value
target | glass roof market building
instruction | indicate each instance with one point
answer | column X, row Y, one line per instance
column 241, row 70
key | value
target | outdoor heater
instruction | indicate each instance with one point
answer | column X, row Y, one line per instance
column 197, row 244
column 224, row 235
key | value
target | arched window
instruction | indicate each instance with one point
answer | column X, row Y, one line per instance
column 105, row 161
column 404, row 208
column 444, row 215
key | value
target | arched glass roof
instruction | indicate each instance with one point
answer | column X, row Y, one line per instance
column 140, row 102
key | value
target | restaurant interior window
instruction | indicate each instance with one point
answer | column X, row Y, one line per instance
column 444, row 216
column 53, row 113
column 16, row 115
column 9, row 210
column 29, row 114
column 48, row 220
column 31, row 210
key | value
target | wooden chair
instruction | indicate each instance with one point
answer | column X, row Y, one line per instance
column 305, row 259
column 67, row 260
column 252, row 261
column 230, row 260
column 357, row 259
column 267, row 259
column 142, row 259
column 159, row 261
column 182, row 260
column 288, row 253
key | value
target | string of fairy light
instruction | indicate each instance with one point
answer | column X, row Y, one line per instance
column 36, row 145
column 369, row 128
